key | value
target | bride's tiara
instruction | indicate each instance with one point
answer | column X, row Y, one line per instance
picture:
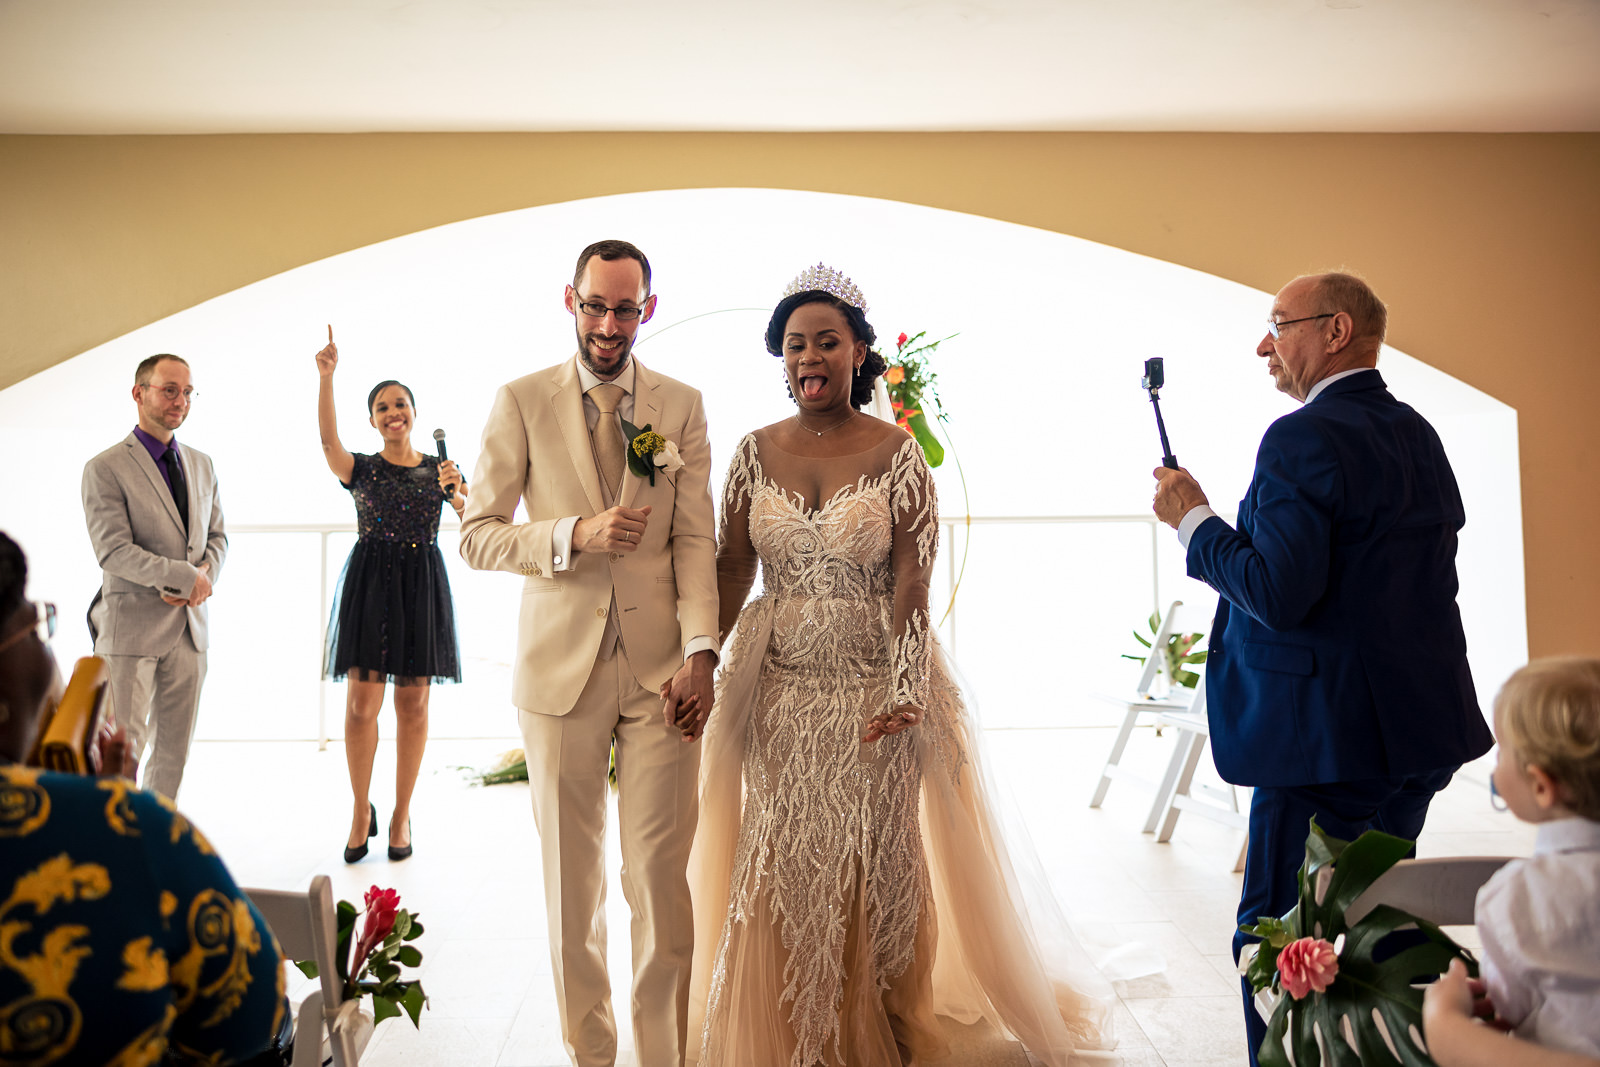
column 827, row 280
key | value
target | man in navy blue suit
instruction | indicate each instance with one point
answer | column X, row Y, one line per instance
column 1337, row 683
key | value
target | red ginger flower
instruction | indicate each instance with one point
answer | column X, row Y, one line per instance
column 901, row 343
column 1307, row 965
column 381, row 906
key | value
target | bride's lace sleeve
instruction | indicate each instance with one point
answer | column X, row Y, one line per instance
column 915, row 542
column 736, row 556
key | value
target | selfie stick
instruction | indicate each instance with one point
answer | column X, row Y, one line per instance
column 1154, row 378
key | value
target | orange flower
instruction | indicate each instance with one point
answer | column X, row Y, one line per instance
column 895, row 375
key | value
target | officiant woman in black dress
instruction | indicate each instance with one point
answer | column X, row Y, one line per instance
column 392, row 618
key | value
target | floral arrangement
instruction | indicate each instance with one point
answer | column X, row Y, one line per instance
column 1180, row 653
column 512, row 766
column 1336, row 1004
column 648, row 452
column 373, row 965
column 912, row 385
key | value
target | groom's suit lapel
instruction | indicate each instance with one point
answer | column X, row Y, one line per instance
column 646, row 412
column 567, row 401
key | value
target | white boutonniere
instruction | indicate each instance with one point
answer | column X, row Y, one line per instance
column 649, row 452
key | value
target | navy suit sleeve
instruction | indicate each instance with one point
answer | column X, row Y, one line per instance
column 1275, row 566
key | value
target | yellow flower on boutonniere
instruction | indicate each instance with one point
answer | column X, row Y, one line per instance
column 648, row 452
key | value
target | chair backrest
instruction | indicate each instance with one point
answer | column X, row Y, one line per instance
column 1176, row 619
column 1442, row 890
column 306, row 925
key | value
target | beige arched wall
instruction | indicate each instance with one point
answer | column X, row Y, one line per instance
column 1486, row 247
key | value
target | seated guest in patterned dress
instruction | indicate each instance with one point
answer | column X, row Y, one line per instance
column 123, row 939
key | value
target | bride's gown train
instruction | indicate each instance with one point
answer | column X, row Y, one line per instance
column 845, row 893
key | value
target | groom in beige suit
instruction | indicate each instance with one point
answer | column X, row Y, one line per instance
column 616, row 639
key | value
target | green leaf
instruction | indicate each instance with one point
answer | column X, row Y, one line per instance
column 307, row 967
column 386, row 972
column 402, row 926
column 1364, row 987
column 412, row 1002
column 637, row 463
column 384, row 1008
column 1139, row 638
column 410, row 956
column 931, row 447
column 416, row 927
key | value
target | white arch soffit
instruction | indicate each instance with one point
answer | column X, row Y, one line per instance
column 1041, row 382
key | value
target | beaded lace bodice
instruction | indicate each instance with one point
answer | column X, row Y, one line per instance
column 829, row 828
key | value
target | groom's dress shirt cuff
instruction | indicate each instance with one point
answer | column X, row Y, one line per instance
column 1191, row 522
column 700, row 644
column 561, row 544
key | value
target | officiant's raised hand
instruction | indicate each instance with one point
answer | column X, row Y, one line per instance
column 617, row 529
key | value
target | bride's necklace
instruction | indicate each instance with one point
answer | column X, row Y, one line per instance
column 830, row 429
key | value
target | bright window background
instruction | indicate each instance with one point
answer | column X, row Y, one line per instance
column 1041, row 385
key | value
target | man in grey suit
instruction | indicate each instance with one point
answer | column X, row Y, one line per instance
column 155, row 521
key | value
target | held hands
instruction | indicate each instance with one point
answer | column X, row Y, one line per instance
column 328, row 358
column 892, row 722
column 1176, row 494
column 687, row 697
column 617, row 529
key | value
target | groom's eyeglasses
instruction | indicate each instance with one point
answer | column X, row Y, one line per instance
column 596, row 310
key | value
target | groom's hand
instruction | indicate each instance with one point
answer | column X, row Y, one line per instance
column 686, row 700
column 617, row 529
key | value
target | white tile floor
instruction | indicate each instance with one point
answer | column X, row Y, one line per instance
column 277, row 812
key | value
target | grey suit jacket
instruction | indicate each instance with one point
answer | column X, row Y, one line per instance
column 139, row 541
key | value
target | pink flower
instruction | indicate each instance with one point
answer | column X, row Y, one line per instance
column 1307, row 965
column 381, row 905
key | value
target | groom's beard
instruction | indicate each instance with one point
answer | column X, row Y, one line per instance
column 602, row 363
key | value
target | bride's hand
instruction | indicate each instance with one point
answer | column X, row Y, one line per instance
column 892, row 722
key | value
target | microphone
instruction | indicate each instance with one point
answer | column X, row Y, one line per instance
column 444, row 457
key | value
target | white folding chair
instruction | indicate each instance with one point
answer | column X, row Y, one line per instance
column 1142, row 703
column 327, row 1027
column 1178, row 788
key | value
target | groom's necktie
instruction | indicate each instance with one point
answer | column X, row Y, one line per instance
column 609, row 447
column 180, row 488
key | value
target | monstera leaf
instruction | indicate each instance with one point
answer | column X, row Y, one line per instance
column 1371, row 1014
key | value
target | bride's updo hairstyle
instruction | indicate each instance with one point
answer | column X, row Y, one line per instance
column 871, row 367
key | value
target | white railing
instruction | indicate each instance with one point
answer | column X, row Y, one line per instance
column 954, row 553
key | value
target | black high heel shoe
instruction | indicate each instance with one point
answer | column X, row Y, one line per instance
column 359, row 853
column 403, row 853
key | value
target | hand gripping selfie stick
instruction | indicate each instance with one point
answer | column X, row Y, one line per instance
column 1155, row 376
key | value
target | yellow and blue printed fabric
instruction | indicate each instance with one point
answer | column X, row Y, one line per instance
column 123, row 938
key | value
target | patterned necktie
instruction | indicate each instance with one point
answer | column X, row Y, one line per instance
column 180, row 488
column 609, row 447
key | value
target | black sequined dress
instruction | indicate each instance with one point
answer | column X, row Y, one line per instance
column 392, row 618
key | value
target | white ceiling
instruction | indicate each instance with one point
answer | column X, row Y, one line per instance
column 270, row 66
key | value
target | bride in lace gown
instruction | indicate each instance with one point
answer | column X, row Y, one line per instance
column 831, row 921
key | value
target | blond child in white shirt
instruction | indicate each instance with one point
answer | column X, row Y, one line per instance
column 1538, row 918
